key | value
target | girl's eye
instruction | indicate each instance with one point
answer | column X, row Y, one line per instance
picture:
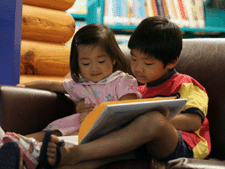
column 102, row 61
column 133, row 59
column 85, row 64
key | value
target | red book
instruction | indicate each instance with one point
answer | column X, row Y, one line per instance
column 182, row 10
column 155, row 7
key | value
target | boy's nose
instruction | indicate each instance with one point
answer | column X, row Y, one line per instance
column 138, row 67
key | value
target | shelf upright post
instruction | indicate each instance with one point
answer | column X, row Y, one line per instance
column 10, row 40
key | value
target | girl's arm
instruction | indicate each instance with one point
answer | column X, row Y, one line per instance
column 55, row 86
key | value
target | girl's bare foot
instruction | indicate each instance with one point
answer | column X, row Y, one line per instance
column 68, row 153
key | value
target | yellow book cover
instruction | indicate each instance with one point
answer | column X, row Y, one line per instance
column 111, row 116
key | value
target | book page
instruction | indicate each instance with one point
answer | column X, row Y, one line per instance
column 115, row 116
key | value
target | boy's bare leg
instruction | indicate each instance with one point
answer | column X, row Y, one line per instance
column 97, row 163
column 151, row 129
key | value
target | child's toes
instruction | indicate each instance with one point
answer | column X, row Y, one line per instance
column 51, row 161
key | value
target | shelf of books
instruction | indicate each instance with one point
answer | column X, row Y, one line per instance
column 79, row 13
column 190, row 15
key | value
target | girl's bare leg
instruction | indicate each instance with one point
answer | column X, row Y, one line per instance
column 151, row 129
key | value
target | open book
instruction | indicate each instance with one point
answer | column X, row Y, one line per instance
column 111, row 116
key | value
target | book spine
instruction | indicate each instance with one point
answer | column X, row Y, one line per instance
column 194, row 12
column 150, row 8
column 141, row 6
column 146, row 8
column 124, row 11
column 183, row 14
column 118, row 12
column 165, row 9
column 180, row 20
column 201, row 14
column 154, row 4
column 106, row 12
column 171, row 11
column 160, row 8
column 130, row 12
column 109, row 18
column 189, row 13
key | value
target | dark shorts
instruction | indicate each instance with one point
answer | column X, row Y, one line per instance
column 182, row 150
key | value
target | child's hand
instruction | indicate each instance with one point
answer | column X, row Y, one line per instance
column 82, row 107
column 20, row 85
column 82, row 116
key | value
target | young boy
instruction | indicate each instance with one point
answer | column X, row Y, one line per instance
column 155, row 48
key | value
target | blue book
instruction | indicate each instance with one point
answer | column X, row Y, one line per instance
column 160, row 8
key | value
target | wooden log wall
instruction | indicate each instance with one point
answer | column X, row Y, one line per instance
column 45, row 28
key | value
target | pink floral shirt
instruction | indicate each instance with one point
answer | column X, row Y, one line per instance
column 109, row 89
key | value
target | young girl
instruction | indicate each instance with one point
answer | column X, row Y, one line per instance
column 96, row 64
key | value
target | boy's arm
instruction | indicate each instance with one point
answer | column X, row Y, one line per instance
column 188, row 122
column 128, row 97
column 56, row 86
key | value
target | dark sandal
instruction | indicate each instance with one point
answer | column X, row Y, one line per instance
column 10, row 156
column 43, row 159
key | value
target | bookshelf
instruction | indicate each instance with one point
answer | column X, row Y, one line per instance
column 214, row 19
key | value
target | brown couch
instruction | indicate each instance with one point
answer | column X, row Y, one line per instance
column 25, row 111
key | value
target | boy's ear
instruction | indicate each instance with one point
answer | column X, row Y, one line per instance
column 172, row 64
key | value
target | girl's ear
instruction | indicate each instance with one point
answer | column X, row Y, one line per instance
column 114, row 61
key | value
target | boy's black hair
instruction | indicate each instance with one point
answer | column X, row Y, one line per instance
column 157, row 37
column 96, row 34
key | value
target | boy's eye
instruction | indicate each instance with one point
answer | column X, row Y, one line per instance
column 148, row 64
column 133, row 59
column 102, row 61
column 85, row 64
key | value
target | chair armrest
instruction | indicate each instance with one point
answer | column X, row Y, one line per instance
column 25, row 111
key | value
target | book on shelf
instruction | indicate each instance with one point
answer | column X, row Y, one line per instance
column 188, row 8
column 194, row 10
column 79, row 7
column 160, row 8
column 183, row 13
column 165, row 9
column 173, row 12
column 178, row 11
column 150, row 8
column 124, row 12
column 106, row 18
column 154, row 4
column 111, row 116
column 201, row 15
column 130, row 7
column 139, row 12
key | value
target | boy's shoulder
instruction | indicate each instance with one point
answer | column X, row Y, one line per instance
column 172, row 84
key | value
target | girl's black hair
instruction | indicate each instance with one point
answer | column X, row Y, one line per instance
column 96, row 34
column 159, row 38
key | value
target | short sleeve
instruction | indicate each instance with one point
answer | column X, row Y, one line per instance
column 197, row 99
column 127, row 85
column 71, row 88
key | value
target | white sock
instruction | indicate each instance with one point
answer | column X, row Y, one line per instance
column 2, row 133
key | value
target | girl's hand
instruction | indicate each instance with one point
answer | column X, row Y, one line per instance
column 82, row 116
column 82, row 107
column 20, row 85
